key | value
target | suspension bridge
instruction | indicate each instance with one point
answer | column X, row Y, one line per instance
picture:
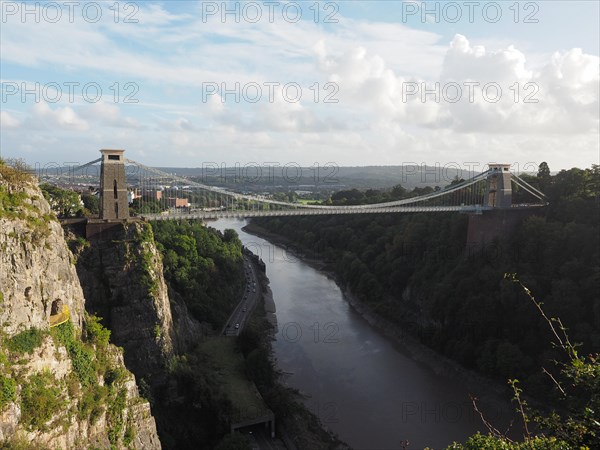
column 159, row 195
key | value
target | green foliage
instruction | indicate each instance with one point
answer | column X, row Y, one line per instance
column 414, row 269
column 8, row 388
column 15, row 172
column 91, row 406
column 115, row 376
column 203, row 266
column 95, row 331
column 129, row 435
column 40, row 399
column 26, row 341
column 577, row 385
column 91, row 203
column 84, row 363
column 489, row 442
column 115, row 416
column 63, row 334
column 21, row 444
column 145, row 240
column 15, row 204
column 64, row 202
column 147, row 206
column 78, row 245
column 83, row 357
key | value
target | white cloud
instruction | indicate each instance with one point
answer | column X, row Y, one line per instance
column 107, row 114
column 170, row 54
column 65, row 118
column 7, row 121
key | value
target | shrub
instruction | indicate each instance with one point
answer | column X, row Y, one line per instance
column 40, row 400
column 95, row 331
column 91, row 405
column 26, row 341
column 8, row 389
column 82, row 356
column 115, row 416
column 84, row 364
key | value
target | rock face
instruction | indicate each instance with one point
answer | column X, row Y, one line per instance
column 59, row 388
column 123, row 282
column 35, row 263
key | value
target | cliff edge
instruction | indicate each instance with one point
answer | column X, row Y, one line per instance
column 62, row 384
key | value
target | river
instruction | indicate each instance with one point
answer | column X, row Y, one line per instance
column 365, row 389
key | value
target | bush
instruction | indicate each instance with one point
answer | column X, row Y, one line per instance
column 8, row 389
column 480, row 442
column 84, row 363
column 91, row 405
column 26, row 341
column 95, row 331
column 40, row 400
column 82, row 356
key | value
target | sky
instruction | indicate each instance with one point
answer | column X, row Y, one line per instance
column 350, row 83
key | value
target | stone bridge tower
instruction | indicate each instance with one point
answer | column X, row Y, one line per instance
column 114, row 204
column 499, row 190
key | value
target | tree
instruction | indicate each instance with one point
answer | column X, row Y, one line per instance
column 64, row 203
column 91, row 203
column 543, row 175
column 577, row 384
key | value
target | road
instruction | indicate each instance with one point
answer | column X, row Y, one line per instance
column 239, row 316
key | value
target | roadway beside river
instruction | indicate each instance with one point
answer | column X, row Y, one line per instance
column 252, row 292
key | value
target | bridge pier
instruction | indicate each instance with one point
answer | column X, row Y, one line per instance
column 493, row 225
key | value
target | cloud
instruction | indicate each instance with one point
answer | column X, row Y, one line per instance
column 64, row 118
column 172, row 52
column 7, row 121
column 106, row 114
column 465, row 62
column 478, row 90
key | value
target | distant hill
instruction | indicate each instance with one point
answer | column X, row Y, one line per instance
column 255, row 178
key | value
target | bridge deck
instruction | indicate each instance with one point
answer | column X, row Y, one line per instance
column 319, row 212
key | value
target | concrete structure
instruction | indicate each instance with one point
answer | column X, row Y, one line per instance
column 114, row 201
column 494, row 225
column 499, row 190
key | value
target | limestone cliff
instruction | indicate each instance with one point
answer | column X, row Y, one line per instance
column 65, row 385
column 122, row 278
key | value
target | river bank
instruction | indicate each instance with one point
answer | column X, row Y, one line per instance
column 496, row 395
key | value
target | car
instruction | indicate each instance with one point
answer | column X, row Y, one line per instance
column 237, row 325
column 244, row 309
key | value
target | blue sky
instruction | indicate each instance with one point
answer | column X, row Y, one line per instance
column 379, row 83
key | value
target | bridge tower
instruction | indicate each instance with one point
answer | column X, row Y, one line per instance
column 499, row 190
column 114, row 203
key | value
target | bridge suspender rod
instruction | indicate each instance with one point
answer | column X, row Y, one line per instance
column 518, row 181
